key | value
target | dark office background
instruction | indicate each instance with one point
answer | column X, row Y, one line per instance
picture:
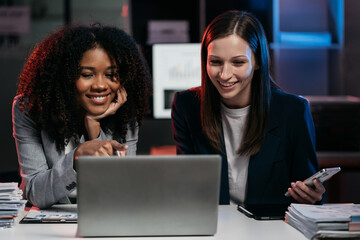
column 331, row 70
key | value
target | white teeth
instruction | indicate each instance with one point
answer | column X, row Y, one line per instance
column 98, row 98
column 227, row 84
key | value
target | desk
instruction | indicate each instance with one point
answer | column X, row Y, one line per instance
column 231, row 225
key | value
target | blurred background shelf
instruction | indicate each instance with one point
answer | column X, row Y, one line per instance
column 307, row 45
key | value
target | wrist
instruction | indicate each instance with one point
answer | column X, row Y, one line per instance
column 92, row 128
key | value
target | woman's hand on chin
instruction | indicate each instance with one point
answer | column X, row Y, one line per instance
column 92, row 123
column 119, row 100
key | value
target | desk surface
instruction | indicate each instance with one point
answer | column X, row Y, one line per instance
column 231, row 225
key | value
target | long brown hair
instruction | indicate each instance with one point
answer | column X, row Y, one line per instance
column 248, row 27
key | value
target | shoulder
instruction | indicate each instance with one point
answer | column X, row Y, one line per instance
column 283, row 100
column 188, row 98
column 16, row 104
column 189, row 94
column 186, row 104
column 20, row 115
column 16, row 100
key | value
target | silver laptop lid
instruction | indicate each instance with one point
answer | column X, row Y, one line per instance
column 148, row 195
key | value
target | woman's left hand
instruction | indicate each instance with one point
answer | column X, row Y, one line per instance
column 114, row 106
column 305, row 194
column 92, row 122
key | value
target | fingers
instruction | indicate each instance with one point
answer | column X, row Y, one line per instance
column 118, row 146
column 121, row 153
column 294, row 195
column 319, row 187
column 100, row 148
column 105, row 149
column 115, row 105
column 305, row 194
column 109, row 147
column 120, row 149
column 299, row 193
column 121, row 96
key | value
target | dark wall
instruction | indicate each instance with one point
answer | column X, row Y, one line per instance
column 143, row 11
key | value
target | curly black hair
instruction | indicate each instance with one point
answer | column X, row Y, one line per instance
column 47, row 84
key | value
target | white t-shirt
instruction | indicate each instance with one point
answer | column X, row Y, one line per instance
column 233, row 121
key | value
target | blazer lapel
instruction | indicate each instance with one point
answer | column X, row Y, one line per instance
column 224, row 190
column 260, row 164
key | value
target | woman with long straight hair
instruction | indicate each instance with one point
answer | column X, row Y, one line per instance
column 265, row 136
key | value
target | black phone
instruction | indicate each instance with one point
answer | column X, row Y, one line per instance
column 264, row 211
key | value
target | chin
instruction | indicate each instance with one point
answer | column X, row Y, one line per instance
column 96, row 112
column 228, row 96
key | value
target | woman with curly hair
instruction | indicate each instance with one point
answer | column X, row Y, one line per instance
column 80, row 84
column 265, row 136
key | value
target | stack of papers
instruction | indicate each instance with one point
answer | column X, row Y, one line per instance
column 323, row 221
column 354, row 224
column 10, row 203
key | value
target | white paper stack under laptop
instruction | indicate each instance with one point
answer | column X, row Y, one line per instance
column 148, row 195
column 10, row 203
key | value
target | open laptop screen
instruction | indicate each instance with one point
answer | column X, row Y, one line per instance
column 148, row 195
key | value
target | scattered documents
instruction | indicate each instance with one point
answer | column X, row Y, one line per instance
column 59, row 213
column 325, row 221
column 11, row 203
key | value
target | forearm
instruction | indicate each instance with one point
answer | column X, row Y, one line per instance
column 45, row 176
column 51, row 186
column 92, row 127
column 45, row 170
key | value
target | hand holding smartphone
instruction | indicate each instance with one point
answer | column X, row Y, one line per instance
column 323, row 175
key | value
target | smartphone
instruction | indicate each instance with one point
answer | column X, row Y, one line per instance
column 323, row 175
column 264, row 211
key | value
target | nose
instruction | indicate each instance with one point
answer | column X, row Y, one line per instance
column 226, row 72
column 99, row 84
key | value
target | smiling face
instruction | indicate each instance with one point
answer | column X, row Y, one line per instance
column 230, row 67
column 97, row 85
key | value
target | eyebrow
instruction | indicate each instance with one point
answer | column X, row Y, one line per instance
column 232, row 57
column 92, row 68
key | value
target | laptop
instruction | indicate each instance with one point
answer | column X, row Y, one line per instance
column 148, row 195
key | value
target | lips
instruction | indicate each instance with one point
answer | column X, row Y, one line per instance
column 98, row 99
column 227, row 84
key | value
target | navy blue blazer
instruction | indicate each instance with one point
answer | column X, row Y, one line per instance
column 287, row 153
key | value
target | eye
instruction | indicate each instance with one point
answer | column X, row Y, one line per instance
column 86, row 75
column 238, row 62
column 214, row 62
column 111, row 76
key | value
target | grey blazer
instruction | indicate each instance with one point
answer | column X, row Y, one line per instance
column 47, row 174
